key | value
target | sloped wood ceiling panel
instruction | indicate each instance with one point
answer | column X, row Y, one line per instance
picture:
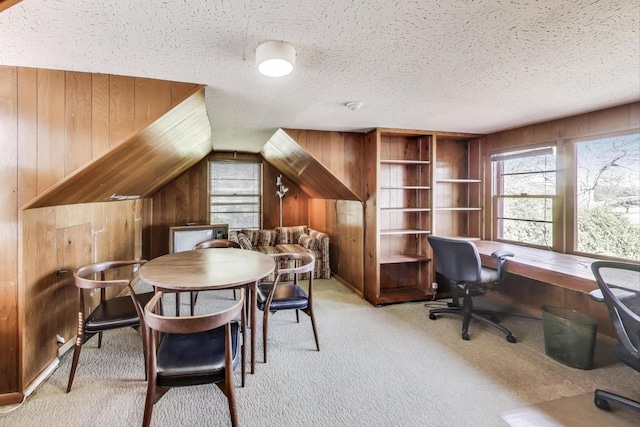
column 6, row 4
column 143, row 163
column 299, row 166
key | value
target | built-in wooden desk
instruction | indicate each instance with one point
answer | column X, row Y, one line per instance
column 565, row 270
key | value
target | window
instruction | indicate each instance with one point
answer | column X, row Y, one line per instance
column 608, row 196
column 524, row 193
column 235, row 190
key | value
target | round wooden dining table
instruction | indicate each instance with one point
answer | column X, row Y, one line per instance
column 211, row 269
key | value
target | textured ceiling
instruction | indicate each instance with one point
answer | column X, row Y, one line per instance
column 448, row 65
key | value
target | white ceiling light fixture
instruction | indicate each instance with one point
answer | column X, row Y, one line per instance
column 275, row 58
column 354, row 105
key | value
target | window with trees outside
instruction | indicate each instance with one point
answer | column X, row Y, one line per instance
column 574, row 196
column 235, row 192
column 524, row 190
column 608, row 196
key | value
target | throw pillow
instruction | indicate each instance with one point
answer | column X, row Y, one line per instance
column 252, row 235
column 268, row 237
column 290, row 235
column 308, row 242
column 244, row 241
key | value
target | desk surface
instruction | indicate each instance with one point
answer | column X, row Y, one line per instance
column 207, row 269
column 566, row 270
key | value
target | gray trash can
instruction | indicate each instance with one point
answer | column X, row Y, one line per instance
column 569, row 336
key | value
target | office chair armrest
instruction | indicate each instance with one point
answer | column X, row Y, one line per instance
column 501, row 254
column 502, row 260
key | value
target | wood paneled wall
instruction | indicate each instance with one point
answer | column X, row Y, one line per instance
column 343, row 220
column 532, row 294
column 616, row 119
column 9, row 177
column 295, row 204
column 340, row 152
column 186, row 199
column 52, row 123
column 183, row 200
column 63, row 238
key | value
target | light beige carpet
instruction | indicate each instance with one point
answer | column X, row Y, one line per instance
column 377, row 366
column 578, row 411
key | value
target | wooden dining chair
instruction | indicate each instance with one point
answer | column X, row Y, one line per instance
column 110, row 313
column 187, row 351
column 213, row 244
column 278, row 295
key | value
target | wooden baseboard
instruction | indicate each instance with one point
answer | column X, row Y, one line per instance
column 66, row 347
column 13, row 398
column 348, row 285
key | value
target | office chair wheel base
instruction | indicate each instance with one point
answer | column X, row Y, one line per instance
column 432, row 316
column 511, row 339
column 465, row 336
column 601, row 403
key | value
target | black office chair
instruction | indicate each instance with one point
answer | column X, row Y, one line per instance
column 619, row 285
column 458, row 260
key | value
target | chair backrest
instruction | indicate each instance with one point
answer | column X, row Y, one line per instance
column 84, row 275
column 190, row 324
column 304, row 262
column 217, row 243
column 619, row 283
column 456, row 259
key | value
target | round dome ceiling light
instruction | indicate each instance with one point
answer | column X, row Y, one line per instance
column 275, row 58
column 354, row 105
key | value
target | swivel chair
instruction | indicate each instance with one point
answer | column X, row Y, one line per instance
column 458, row 260
column 619, row 289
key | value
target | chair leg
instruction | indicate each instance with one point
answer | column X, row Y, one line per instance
column 309, row 311
column 297, row 316
column 231, row 398
column 467, row 306
column 602, row 398
column 234, row 294
column 265, row 325
column 194, row 298
column 149, row 402
column 467, row 312
column 141, row 331
column 177, row 303
column 74, row 365
column 99, row 339
column 243, row 348
column 509, row 335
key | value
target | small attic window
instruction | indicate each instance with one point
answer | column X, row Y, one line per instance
column 236, row 192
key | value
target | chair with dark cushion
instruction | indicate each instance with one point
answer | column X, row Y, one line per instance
column 187, row 351
column 278, row 295
column 619, row 289
column 458, row 260
column 110, row 313
column 213, row 244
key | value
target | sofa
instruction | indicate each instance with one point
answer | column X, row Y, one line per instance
column 299, row 238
